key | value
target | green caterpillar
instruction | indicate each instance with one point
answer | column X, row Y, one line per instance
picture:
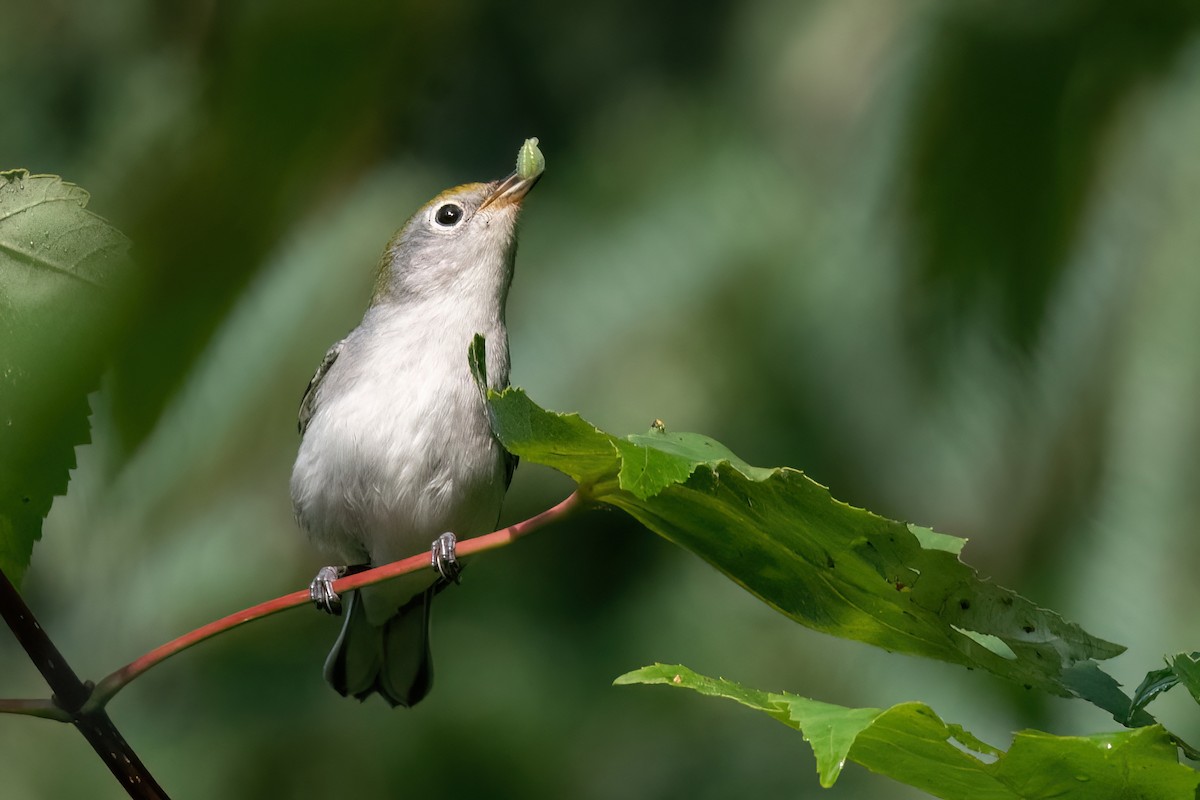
column 530, row 161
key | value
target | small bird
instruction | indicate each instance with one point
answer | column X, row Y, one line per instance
column 397, row 455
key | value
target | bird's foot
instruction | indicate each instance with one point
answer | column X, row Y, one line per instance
column 444, row 559
column 321, row 590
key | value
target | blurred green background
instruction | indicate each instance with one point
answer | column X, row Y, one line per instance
column 940, row 255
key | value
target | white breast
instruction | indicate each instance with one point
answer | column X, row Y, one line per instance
column 399, row 448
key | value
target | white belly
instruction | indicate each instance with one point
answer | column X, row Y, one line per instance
column 398, row 451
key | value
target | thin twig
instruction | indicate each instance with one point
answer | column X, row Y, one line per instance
column 46, row 709
column 113, row 683
column 70, row 695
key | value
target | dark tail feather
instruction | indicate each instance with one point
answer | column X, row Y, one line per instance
column 393, row 660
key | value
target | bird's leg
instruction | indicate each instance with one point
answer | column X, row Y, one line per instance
column 321, row 590
column 444, row 559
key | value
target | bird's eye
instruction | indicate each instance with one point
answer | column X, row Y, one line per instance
column 448, row 215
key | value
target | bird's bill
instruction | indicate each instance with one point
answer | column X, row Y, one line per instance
column 510, row 190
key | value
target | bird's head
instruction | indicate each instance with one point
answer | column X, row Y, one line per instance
column 460, row 245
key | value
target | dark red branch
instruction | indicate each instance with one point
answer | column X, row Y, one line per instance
column 70, row 694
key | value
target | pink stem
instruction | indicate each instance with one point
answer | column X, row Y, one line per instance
column 113, row 683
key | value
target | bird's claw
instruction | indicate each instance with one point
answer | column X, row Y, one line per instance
column 321, row 590
column 444, row 559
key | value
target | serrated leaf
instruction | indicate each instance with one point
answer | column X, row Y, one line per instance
column 825, row 564
column 59, row 266
column 910, row 743
column 48, row 239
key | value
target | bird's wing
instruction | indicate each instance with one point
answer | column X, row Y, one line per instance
column 308, row 403
column 510, row 466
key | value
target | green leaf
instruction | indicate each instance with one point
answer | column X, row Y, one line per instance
column 1142, row 762
column 1154, row 684
column 825, row 564
column 1088, row 681
column 60, row 267
column 1181, row 668
column 911, row 744
column 1187, row 667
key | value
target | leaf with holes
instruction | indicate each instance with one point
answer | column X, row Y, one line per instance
column 781, row 536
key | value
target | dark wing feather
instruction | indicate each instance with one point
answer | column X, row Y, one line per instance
column 308, row 403
column 510, row 466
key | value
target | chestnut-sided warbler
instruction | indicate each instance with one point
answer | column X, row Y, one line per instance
column 396, row 449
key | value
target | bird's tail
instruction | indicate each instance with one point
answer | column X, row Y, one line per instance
column 392, row 659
